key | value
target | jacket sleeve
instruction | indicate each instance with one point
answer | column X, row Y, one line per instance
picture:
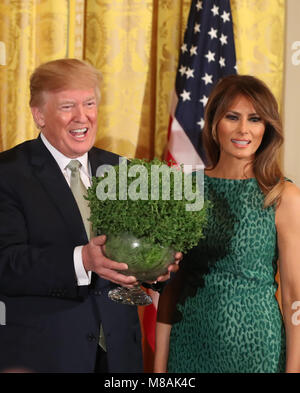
column 27, row 266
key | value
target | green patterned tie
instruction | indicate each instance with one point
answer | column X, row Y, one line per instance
column 78, row 189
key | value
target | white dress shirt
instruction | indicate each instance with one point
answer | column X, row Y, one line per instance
column 83, row 278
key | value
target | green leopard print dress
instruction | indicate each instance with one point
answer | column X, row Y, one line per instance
column 231, row 321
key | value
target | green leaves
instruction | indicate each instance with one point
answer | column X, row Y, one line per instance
column 148, row 199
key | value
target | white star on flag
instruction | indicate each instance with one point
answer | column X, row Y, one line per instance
column 213, row 33
column 201, row 123
column 193, row 50
column 225, row 16
column 182, row 70
column 186, row 95
column 223, row 39
column 222, row 62
column 207, row 78
column 199, row 5
column 184, row 48
column 204, row 100
column 189, row 73
column 215, row 10
column 210, row 56
column 197, row 28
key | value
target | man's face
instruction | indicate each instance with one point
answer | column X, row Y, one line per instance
column 68, row 119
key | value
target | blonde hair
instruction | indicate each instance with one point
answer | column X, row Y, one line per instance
column 63, row 74
column 265, row 165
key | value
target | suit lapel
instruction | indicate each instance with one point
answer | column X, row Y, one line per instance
column 98, row 157
column 47, row 171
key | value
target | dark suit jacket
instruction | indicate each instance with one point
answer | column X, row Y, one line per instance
column 52, row 325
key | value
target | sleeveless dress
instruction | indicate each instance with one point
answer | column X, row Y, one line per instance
column 231, row 322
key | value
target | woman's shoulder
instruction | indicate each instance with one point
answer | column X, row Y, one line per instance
column 290, row 200
column 290, row 191
column 287, row 217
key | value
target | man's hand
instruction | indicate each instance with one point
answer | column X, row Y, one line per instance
column 94, row 260
column 173, row 268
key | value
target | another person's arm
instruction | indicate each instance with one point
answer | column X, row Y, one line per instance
column 165, row 318
column 162, row 343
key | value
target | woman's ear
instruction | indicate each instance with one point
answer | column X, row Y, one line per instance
column 38, row 116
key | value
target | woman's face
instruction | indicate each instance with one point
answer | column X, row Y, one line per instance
column 240, row 130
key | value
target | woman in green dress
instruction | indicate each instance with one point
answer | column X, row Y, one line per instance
column 220, row 313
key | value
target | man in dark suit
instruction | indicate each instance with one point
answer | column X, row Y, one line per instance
column 53, row 279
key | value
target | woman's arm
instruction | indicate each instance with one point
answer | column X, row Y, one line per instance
column 288, row 230
column 162, row 342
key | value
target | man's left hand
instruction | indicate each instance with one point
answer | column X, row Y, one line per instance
column 173, row 268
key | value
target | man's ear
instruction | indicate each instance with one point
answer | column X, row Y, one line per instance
column 38, row 116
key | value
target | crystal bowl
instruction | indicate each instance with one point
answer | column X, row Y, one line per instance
column 146, row 260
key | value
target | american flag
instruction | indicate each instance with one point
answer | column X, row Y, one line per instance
column 207, row 54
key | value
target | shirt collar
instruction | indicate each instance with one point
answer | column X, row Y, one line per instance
column 61, row 159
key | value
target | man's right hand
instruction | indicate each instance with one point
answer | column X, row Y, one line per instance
column 94, row 260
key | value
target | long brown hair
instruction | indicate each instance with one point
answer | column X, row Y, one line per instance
column 265, row 165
